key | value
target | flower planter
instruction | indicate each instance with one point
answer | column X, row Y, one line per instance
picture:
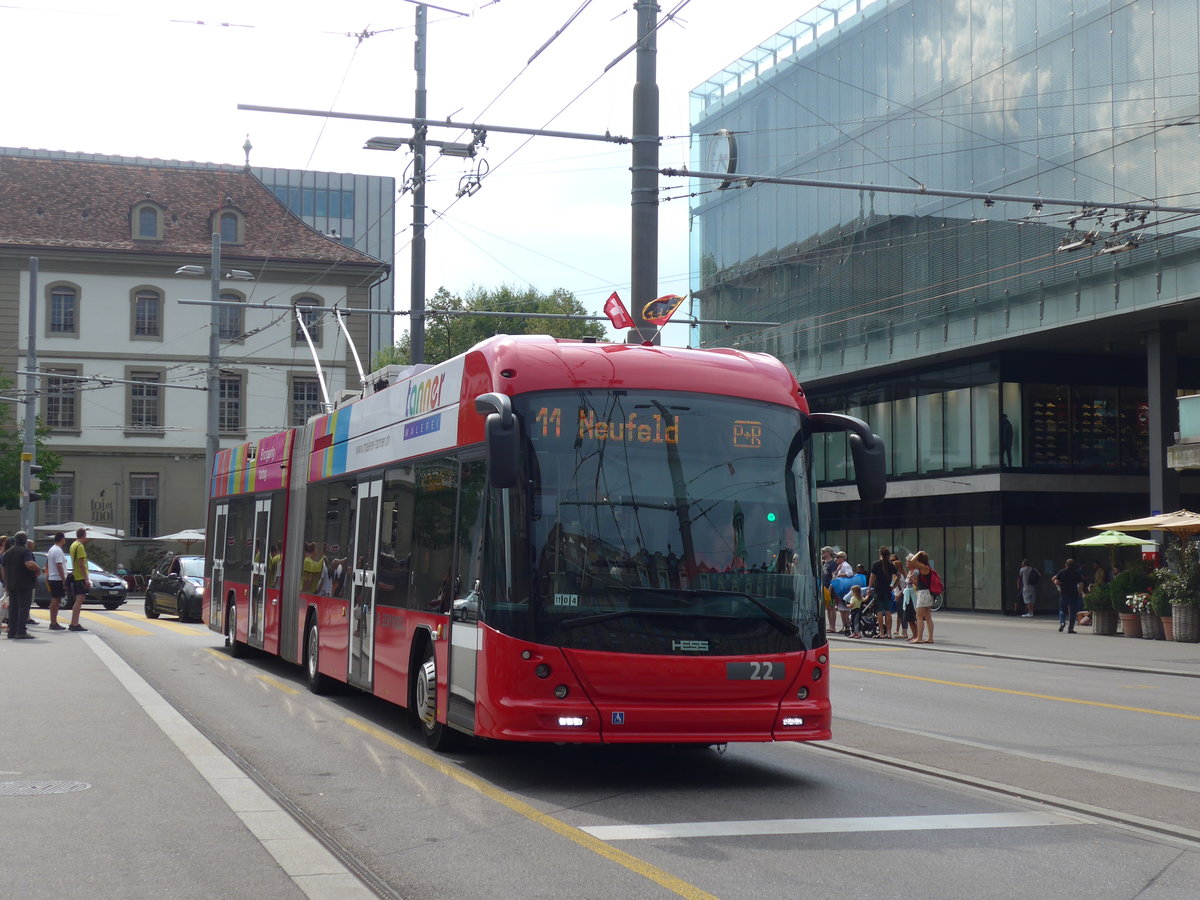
column 1104, row 621
column 1185, row 622
column 1131, row 625
column 1168, row 628
column 1151, row 627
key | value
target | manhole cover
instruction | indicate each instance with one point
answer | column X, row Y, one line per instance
column 32, row 788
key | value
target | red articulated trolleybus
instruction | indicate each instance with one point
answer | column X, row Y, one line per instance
column 546, row 540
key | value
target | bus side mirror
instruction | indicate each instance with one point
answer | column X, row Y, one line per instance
column 866, row 449
column 500, row 435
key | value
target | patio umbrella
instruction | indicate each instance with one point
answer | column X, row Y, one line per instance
column 94, row 532
column 187, row 537
column 1112, row 540
column 1182, row 522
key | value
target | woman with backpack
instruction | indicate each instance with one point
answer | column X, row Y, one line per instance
column 919, row 563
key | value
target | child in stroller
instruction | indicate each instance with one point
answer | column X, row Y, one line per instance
column 863, row 619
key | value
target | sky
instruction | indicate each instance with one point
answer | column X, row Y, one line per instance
column 164, row 78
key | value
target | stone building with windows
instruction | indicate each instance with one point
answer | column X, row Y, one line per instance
column 123, row 364
column 1021, row 358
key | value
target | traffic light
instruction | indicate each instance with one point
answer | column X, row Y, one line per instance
column 35, row 483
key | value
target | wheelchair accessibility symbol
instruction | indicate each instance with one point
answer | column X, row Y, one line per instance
column 618, row 718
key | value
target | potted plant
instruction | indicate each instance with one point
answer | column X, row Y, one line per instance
column 1098, row 601
column 1179, row 582
column 1140, row 603
column 1161, row 607
column 1134, row 580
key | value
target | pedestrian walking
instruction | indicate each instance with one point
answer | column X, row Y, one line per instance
column 80, row 580
column 20, row 578
column 1067, row 581
column 56, row 578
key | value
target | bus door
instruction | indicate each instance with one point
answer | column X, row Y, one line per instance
column 216, row 577
column 465, row 634
column 362, row 584
column 258, row 571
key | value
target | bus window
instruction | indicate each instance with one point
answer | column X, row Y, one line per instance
column 395, row 537
column 433, row 529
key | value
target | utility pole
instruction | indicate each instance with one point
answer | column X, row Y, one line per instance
column 212, row 437
column 417, row 283
column 29, row 446
column 643, row 276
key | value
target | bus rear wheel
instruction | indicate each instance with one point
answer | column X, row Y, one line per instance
column 437, row 735
column 317, row 683
column 236, row 648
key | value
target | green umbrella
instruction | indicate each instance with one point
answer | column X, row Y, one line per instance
column 1112, row 539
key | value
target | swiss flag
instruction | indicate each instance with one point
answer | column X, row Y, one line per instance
column 616, row 312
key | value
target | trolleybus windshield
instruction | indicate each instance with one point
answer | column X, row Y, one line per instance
column 660, row 523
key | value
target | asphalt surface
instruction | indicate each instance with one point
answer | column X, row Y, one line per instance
column 106, row 788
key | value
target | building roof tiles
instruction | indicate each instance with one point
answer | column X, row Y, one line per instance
column 83, row 205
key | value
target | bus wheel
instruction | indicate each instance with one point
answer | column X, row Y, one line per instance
column 437, row 735
column 236, row 648
column 317, row 683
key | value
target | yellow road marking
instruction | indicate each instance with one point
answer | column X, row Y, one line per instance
column 276, row 683
column 632, row 863
column 996, row 690
column 840, row 650
column 111, row 621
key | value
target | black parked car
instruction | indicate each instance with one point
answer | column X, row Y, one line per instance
column 106, row 588
column 176, row 587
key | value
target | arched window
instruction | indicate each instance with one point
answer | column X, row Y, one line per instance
column 312, row 321
column 231, row 226
column 62, row 310
column 231, row 319
column 147, row 222
column 146, row 314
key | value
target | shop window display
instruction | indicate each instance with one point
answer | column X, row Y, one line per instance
column 1048, row 427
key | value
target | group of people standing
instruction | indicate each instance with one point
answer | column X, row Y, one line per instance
column 19, row 573
column 892, row 589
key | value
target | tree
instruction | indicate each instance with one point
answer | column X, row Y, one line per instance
column 12, row 443
column 447, row 336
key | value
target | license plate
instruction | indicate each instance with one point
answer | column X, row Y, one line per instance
column 755, row 671
column 113, row 593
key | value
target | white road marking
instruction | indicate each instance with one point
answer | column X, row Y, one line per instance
column 833, row 826
column 315, row 871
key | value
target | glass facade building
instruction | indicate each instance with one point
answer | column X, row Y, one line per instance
column 1020, row 348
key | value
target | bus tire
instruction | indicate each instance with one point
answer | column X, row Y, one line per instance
column 236, row 648
column 317, row 683
column 437, row 735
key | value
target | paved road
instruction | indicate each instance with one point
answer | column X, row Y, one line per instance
column 506, row 820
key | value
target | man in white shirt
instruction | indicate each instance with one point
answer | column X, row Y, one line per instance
column 844, row 569
column 56, row 577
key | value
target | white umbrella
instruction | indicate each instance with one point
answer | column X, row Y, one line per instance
column 94, row 532
column 187, row 537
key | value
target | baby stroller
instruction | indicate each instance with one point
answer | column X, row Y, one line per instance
column 868, row 623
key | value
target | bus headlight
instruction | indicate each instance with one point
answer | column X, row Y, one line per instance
column 571, row 721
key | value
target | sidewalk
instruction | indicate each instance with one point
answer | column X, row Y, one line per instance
column 1038, row 639
column 105, row 789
